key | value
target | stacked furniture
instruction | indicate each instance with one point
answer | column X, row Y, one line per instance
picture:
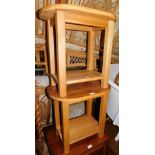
column 70, row 87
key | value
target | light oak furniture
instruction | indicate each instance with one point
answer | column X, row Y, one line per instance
column 80, row 85
column 74, row 130
column 64, row 16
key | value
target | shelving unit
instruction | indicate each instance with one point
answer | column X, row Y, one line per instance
column 70, row 87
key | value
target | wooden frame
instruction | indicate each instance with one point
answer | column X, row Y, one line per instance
column 76, row 129
column 69, row 16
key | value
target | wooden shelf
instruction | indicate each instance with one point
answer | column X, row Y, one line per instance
column 82, row 127
column 79, row 76
column 78, row 92
column 82, row 76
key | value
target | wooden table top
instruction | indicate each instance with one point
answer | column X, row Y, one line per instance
column 78, row 92
column 49, row 11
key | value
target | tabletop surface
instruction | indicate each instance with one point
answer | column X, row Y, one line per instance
column 49, row 11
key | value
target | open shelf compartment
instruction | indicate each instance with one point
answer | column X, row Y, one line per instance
column 78, row 76
column 82, row 127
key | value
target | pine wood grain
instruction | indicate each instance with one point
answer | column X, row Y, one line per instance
column 82, row 127
column 78, row 92
column 51, row 53
column 49, row 11
column 61, row 52
column 107, row 53
column 90, row 53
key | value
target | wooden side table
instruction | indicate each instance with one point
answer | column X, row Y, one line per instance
column 69, row 87
column 74, row 130
column 61, row 17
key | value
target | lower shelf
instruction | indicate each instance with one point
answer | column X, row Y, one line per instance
column 82, row 127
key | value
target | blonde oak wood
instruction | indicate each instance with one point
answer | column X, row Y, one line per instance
column 89, row 107
column 74, row 15
column 85, row 20
column 82, row 127
column 78, row 27
column 102, row 114
column 72, row 41
column 76, row 129
column 61, row 52
column 80, row 76
column 107, row 53
column 49, row 11
column 56, row 114
column 65, row 126
column 90, row 53
column 78, row 92
column 50, row 32
column 82, row 85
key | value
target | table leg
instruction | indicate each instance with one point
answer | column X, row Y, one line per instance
column 65, row 125
column 102, row 114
